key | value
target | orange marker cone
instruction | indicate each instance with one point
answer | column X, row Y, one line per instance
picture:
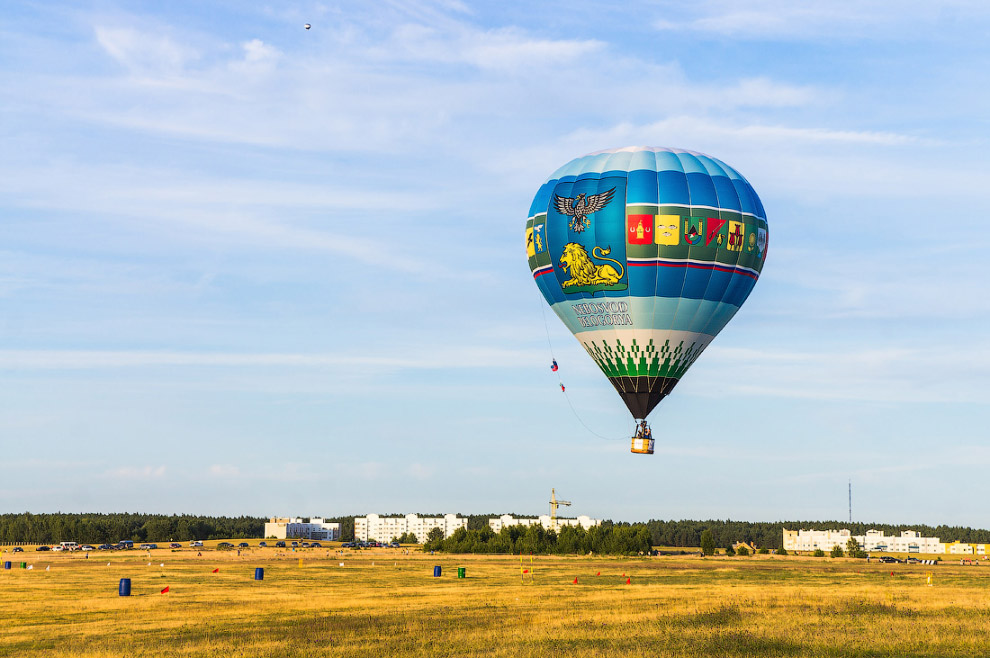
column 628, row 581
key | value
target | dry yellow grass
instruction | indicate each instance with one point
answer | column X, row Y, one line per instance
column 387, row 603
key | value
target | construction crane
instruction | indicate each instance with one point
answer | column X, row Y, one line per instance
column 554, row 504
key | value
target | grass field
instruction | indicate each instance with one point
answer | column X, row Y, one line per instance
column 386, row 603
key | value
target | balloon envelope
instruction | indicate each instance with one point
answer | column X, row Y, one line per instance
column 645, row 254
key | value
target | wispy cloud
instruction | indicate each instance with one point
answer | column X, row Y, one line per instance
column 885, row 374
column 422, row 359
column 779, row 19
column 224, row 471
column 138, row 472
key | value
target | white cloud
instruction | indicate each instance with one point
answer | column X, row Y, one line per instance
column 419, row 359
column 948, row 373
column 420, row 471
column 224, row 471
column 144, row 52
column 797, row 21
column 138, row 472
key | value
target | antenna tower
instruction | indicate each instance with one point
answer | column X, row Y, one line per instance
column 850, row 500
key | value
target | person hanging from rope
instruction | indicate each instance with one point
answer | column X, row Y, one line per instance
column 554, row 366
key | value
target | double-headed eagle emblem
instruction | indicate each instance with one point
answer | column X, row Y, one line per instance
column 580, row 207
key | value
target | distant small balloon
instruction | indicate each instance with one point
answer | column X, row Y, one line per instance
column 307, row 26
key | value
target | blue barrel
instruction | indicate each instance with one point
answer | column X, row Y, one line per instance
column 437, row 571
column 125, row 587
column 7, row 564
column 259, row 573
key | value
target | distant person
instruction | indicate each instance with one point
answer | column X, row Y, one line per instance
column 647, row 432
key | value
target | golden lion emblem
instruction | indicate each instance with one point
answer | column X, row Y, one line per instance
column 584, row 272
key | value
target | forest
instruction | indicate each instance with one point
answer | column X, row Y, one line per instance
column 99, row 528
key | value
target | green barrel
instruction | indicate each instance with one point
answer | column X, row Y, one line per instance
column 24, row 565
column 461, row 572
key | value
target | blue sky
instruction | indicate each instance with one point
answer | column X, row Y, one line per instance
column 247, row 268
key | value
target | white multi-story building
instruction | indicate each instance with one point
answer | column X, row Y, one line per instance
column 555, row 524
column 810, row 540
column 296, row 528
column 909, row 541
column 384, row 528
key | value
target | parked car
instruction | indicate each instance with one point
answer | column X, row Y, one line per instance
column 148, row 547
column 104, row 547
column 86, row 547
column 196, row 544
column 263, row 544
column 887, row 559
column 57, row 548
column 18, row 549
column 316, row 544
column 175, row 545
column 295, row 544
column 225, row 545
column 280, row 544
column 243, row 544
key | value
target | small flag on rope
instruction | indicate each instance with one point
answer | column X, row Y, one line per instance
column 575, row 581
column 562, row 389
column 217, row 570
column 165, row 591
column 554, row 366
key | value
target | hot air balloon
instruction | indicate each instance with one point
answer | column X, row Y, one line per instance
column 645, row 254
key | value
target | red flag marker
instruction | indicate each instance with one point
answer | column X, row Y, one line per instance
column 525, row 570
column 165, row 591
column 599, row 573
column 217, row 570
column 628, row 581
column 575, row 581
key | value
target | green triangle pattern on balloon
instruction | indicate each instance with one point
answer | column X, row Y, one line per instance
column 616, row 360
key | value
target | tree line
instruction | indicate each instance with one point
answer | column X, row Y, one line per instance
column 606, row 539
column 109, row 528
